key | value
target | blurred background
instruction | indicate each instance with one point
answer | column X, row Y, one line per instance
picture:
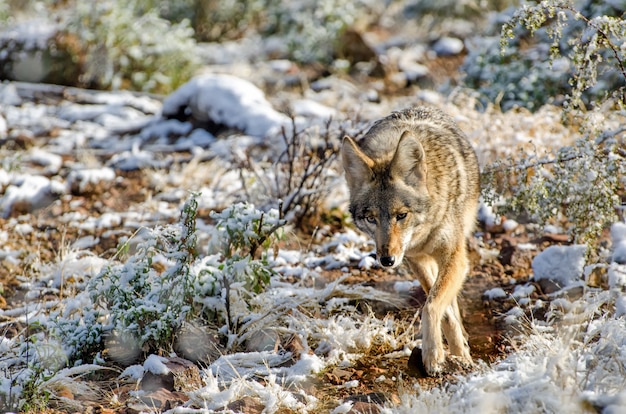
column 392, row 46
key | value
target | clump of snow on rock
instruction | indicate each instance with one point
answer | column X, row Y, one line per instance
column 227, row 100
column 561, row 264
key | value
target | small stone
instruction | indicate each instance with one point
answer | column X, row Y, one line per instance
column 183, row 376
column 248, row 405
column 263, row 340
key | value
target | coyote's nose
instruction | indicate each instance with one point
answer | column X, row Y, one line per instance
column 387, row 261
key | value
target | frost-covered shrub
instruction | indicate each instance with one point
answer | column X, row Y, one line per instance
column 141, row 304
column 581, row 183
column 553, row 51
column 121, row 45
column 4, row 11
column 314, row 27
column 310, row 27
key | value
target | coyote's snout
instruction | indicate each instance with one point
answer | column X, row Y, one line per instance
column 414, row 187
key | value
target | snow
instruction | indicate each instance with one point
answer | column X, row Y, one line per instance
column 495, row 293
column 227, row 100
column 560, row 264
column 89, row 176
column 553, row 370
column 35, row 191
column 618, row 238
column 156, row 365
column 448, row 46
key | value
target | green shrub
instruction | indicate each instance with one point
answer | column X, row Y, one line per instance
column 135, row 305
column 582, row 183
column 554, row 51
column 121, row 45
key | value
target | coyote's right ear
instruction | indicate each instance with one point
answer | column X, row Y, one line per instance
column 356, row 164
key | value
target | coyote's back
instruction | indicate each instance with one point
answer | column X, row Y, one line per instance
column 414, row 188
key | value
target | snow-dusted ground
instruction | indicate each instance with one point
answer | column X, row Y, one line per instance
column 572, row 362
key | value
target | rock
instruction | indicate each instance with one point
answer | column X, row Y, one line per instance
column 247, row 405
column 263, row 340
column 511, row 255
column 409, row 64
column 360, row 407
column 35, row 51
column 163, row 399
column 596, row 276
column 182, row 375
column 221, row 100
column 198, row 343
column 372, row 398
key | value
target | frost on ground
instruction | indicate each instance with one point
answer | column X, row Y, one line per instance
column 110, row 264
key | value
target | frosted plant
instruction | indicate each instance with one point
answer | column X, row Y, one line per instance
column 553, row 51
column 594, row 41
column 122, row 46
column 581, row 183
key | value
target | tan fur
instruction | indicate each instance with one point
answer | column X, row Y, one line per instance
column 414, row 186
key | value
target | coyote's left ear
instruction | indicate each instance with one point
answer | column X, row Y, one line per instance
column 409, row 160
column 356, row 164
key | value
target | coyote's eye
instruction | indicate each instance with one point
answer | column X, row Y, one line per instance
column 370, row 219
column 401, row 216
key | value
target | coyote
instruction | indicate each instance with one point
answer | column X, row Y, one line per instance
column 414, row 188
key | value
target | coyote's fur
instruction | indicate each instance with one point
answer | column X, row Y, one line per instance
column 414, row 188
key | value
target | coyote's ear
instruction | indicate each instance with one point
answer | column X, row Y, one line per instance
column 356, row 164
column 408, row 162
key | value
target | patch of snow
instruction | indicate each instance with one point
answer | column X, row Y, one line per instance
column 448, row 46
column 618, row 237
column 137, row 159
column 561, row 264
column 617, row 276
column 523, row 291
column 487, row 216
column 620, row 306
column 367, row 262
column 495, row 293
column 32, row 34
column 89, row 176
column 164, row 128
column 227, row 100
column 35, row 190
column 3, row 127
column 343, row 408
column 156, row 365
column 312, row 109
column 52, row 162
column 403, row 286
column 509, row 225
column 133, row 372
column 9, row 95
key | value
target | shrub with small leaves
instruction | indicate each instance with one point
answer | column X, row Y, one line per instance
column 122, row 46
column 582, row 183
column 143, row 302
column 553, row 51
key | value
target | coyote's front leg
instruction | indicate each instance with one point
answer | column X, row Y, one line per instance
column 442, row 281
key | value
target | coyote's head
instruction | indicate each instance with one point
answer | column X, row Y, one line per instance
column 389, row 199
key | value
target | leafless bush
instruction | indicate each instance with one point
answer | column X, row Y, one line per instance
column 300, row 178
